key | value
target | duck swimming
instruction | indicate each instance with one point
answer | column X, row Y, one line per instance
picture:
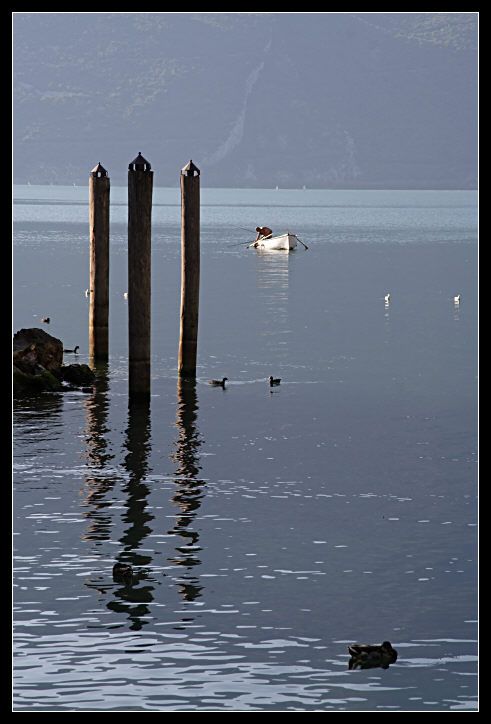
column 46, row 320
column 387, row 298
column 72, row 351
column 122, row 571
column 218, row 383
column 273, row 381
column 371, row 656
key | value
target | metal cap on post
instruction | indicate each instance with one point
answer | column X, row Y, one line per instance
column 98, row 171
column 190, row 170
column 139, row 164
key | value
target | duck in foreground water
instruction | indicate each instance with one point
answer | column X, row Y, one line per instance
column 46, row 320
column 218, row 383
column 372, row 656
column 122, row 572
column 273, row 381
column 72, row 351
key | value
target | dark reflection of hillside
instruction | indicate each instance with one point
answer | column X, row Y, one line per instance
column 132, row 597
column 98, row 455
column 30, row 415
column 189, row 489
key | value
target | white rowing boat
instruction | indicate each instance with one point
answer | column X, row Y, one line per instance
column 284, row 242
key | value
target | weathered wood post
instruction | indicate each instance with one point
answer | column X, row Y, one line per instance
column 140, row 184
column 190, row 203
column 99, row 264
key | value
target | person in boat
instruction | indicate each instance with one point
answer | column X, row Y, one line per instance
column 262, row 231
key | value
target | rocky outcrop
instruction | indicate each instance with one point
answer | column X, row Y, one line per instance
column 38, row 365
column 26, row 383
column 77, row 374
column 37, row 358
column 34, row 348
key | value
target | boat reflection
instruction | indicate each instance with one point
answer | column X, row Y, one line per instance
column 272, row 283
column 189, row 489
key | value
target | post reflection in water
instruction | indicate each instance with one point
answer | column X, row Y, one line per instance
column 98, row 454
column 189, row 488
column 130, row 596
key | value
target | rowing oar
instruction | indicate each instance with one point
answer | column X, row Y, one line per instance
column 241, row 243
column 300, row 240
column 242, row 229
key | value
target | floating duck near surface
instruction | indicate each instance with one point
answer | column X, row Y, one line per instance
column 372, row 656
column 218, row 383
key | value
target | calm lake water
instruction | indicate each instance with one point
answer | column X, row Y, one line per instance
column 268, row 529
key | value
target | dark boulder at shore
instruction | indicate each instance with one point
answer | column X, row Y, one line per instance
column 38, row 364
column 34, row 348
column 77, row 374
column 37, row 358
column 43, row 381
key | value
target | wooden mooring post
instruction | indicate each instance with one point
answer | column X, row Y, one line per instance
column 190, row 262
column 140, row 185
column 99, row 186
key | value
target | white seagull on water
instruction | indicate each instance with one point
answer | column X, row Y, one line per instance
column 456, row 300
column 387, row 298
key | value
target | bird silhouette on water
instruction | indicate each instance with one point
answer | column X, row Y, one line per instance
column 46, row 320
column 371, row 656
column 72, row 351
column 273, row 382
column 218, row 383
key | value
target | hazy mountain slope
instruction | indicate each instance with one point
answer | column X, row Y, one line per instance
column 329, row 100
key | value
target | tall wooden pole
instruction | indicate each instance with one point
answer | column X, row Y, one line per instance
column 140, row 185
column 190, row 258
column 99, row 264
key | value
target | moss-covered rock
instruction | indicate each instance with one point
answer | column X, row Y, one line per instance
column 38, row 365
column 26, row 383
